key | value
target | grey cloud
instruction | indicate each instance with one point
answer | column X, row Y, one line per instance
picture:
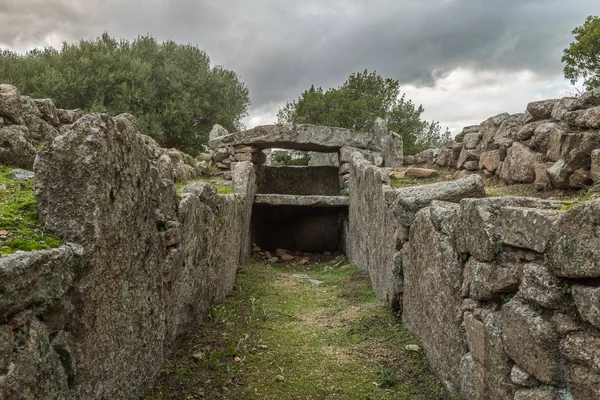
column 281, row 47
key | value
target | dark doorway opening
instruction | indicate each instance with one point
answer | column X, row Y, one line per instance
column 298, row 228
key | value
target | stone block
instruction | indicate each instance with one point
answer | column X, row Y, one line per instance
column 587, row 299
column 532, row 342
column 582, row 354
column 490, row 160
column 487, row 281
column 467, row 155
column 539, row 110
column 574, row 247
column 528, row 228
column 541, row 287
column 420, row 173
column 10, row 103
column 518, row 166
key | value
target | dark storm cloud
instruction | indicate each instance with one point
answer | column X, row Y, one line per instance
column 280, row 47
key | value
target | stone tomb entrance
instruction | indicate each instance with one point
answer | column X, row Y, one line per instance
column 300, row 209
column 304, row 209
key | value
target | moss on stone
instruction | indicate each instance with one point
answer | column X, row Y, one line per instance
column 223, row 187
column 19, row 224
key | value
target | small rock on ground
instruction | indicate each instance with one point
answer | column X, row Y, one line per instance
column 300, row 276
column 21, row 174
column 412, row 347
column 420, row 173
column 287, row 257
column 315, row 282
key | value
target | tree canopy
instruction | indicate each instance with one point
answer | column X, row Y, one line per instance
column 171, row 88
column 358, row 102
column 582, row 57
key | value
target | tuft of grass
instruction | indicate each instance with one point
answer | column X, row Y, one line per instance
column 529, row 190
column 18, row 217
column 387, row 377
column 223, row 187
column 335, row 340
column 403, row 181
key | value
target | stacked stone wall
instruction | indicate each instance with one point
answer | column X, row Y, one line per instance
column 504, row 293
column 554, row 144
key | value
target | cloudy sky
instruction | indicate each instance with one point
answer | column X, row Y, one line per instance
column 463, row 60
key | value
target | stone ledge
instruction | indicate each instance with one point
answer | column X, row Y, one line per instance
column 294, row 200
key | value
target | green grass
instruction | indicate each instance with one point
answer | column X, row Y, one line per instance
column 18, row 216
column 336, row 340
column 568, row 197
column 402, row 181
column 223, row 187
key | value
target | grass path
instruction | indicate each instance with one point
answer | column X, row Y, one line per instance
column 279, row 336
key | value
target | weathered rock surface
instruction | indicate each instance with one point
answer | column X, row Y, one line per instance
column 518, row 166
column 295, row 200
column 532, row 342
column 420, row 173
column 298, row 137
column 36, row 278
column 490, row 160
column 371, row 156
column 541, row 287
column 521, row 377
column 542, row 182
column 595, row 170
column 244, row 184
column 14, row 148
column 582, row 354
column 540, row 110
column 587, row 299
column 150, row 273
column 217, row 131
column 21, row 174
column 534, row 230
column 432, row 281
column 323, row 159
column 300, row 180
column 467, row 155
column 562, row 107
column 10, row 103
column 368, row 227
column 481, row 228
column 390, row 143
column 486, row 281
column 580, row 179
column 574, row 248
column 48, row 111
column 537, row 394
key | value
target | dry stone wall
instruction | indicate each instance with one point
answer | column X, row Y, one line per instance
column 504, row 293
column 554, row 144
column 380, row 219
column 96, row 317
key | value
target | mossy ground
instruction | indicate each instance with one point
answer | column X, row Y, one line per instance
column 222, row 186
column 19, row 225
column 402, row 181
column 333, row 341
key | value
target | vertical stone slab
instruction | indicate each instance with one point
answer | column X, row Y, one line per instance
column 244, row 183
column 432, row 300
